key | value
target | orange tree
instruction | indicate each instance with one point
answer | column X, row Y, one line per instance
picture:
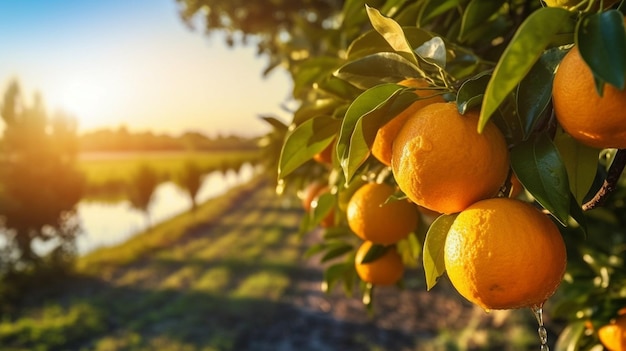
column 495, row 62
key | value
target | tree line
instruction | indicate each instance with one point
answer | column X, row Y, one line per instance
column 121, row 139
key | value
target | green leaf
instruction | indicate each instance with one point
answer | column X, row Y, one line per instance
column 309, row 138
column 336, row 250
column 339, row 88
column 334, row 273
column 275, row 123
column 375, row 252
column 321, row 207
column 576, row 211
column 527, row 45
column 570, row 336
column 540, row 169
column 471, row 93
column 366, row 114
column 434, row 265
column 476, row 14
column 372, row 42
column 601, row 40
column 319, row 107
column 368, row 43
column 433, row 52
column 313, row 70
column 314, row 249
column 535, row 90
column 581, row 163
column 434, row 8
column 393, row 34
column 372, row 70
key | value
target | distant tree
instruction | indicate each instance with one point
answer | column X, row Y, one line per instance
column 39, row 184
column 190, row 179
column 142, row 187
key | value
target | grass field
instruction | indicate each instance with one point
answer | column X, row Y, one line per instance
column 159, row 290
column 108, row 174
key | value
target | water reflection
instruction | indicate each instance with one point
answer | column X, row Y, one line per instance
column 108, row 224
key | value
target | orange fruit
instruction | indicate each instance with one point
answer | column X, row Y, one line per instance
column 383, row 142
column 613, row 335
column 385, row 270
column 442, row 163
column 592, row 120
column 326, row 155
column 371, row 219
column 503, row 253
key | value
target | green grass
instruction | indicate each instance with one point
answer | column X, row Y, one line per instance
column 190, row 283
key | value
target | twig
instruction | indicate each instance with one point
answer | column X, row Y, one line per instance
column 610, row 183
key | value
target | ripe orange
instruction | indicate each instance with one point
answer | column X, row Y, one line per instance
column 372, row 219
column 383, row 142
column 385, row 270
column 503, row 253
column 442, row 163
column 593, row 120
column 326, row 155
column 613, row 335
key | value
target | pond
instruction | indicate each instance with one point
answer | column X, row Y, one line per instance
column 106, row 224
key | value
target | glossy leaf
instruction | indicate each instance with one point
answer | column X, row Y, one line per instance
column 323, row 205
column 339, row 88
column 308, row 139
column 368, row 43
column 581, row 163
column 476, row 15
column 393, row 34
column 375, row 252
column 434, row 265
column 527, row 45
column 313, row 70
column 471, row 93
column 601, row 40
column 336, row 250
column 319, row 107
column 366, row 114
column 540, row 169
column 570, row 336
column 434, row 8
column 375, row 69
column 275, row 123
column 433, row 51
column 534, row 92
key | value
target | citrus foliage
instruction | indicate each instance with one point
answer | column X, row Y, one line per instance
column 495, row 60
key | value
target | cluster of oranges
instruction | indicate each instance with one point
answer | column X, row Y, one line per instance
column 377, row 220
column 500, row 252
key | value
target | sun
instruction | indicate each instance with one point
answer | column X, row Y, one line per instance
column 84, row 100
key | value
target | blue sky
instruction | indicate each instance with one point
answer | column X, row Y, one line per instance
column 134, row 62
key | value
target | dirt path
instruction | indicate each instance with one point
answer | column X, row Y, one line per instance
column 239, row 282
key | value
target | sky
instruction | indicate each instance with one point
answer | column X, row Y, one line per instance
column 135, row 63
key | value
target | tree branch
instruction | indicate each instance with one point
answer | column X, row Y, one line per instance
column 610, row 183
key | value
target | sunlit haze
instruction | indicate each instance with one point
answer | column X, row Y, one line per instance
column 135, row 63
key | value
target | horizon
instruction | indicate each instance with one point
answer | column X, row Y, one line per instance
column 136, row 64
